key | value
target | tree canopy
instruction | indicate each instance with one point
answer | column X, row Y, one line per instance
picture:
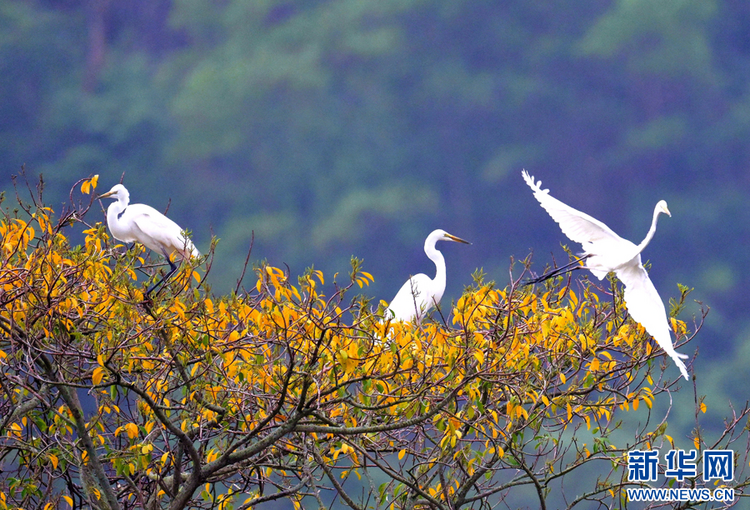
column 297, row 390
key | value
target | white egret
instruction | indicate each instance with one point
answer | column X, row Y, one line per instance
column 420, row 293
column 604, row 252
column 144, row 224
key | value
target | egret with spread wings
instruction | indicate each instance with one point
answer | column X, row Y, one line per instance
column 605, row 252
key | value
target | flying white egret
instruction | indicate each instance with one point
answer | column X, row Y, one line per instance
column 420, row 293
column 144, row 224
column 604, row 252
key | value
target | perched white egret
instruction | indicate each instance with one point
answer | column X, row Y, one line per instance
column 420, row 293
column 604, row 252
column 144, row 224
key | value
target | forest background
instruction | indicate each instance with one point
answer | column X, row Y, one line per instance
column 338, row 128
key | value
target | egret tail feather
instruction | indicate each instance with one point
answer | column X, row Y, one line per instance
column 681, row 366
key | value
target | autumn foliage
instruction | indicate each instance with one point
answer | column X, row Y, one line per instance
column 296, row 389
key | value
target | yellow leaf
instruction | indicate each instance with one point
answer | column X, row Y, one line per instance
column 97, row 376
column 132, row 430
column 54, row 460
column 648, row 401
column 697, row 442
column 69, row 500
column 521, row 412
column 89, row 184
column 401, row 454
column 703, row 407
column 16, row 428
column 479, row 355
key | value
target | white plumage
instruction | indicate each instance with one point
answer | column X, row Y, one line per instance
column 420, row 293
column 604, row 252
column 144, row 224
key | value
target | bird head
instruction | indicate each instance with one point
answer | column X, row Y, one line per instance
column 440, row 235
column 661, row 207
column 118, row 192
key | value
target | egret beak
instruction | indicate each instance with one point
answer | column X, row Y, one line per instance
column 666, row 210
column 105, row 195
column 450, row 237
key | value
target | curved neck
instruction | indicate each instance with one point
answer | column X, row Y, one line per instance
column 651, row 231
column 116, row 208
column 437, row 257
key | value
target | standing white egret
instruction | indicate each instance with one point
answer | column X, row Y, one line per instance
column 420, row 293
column 604, row 252
column 144, row 224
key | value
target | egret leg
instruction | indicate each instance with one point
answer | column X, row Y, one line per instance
column 567, row 268
column 613, row 288
column 172, row 270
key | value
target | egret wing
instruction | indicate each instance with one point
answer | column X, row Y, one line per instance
column 162, row 233
column 578, row 226
column 411, row 301
column 646, row 307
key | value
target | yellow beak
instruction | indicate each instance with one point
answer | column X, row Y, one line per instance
column 456, row 239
